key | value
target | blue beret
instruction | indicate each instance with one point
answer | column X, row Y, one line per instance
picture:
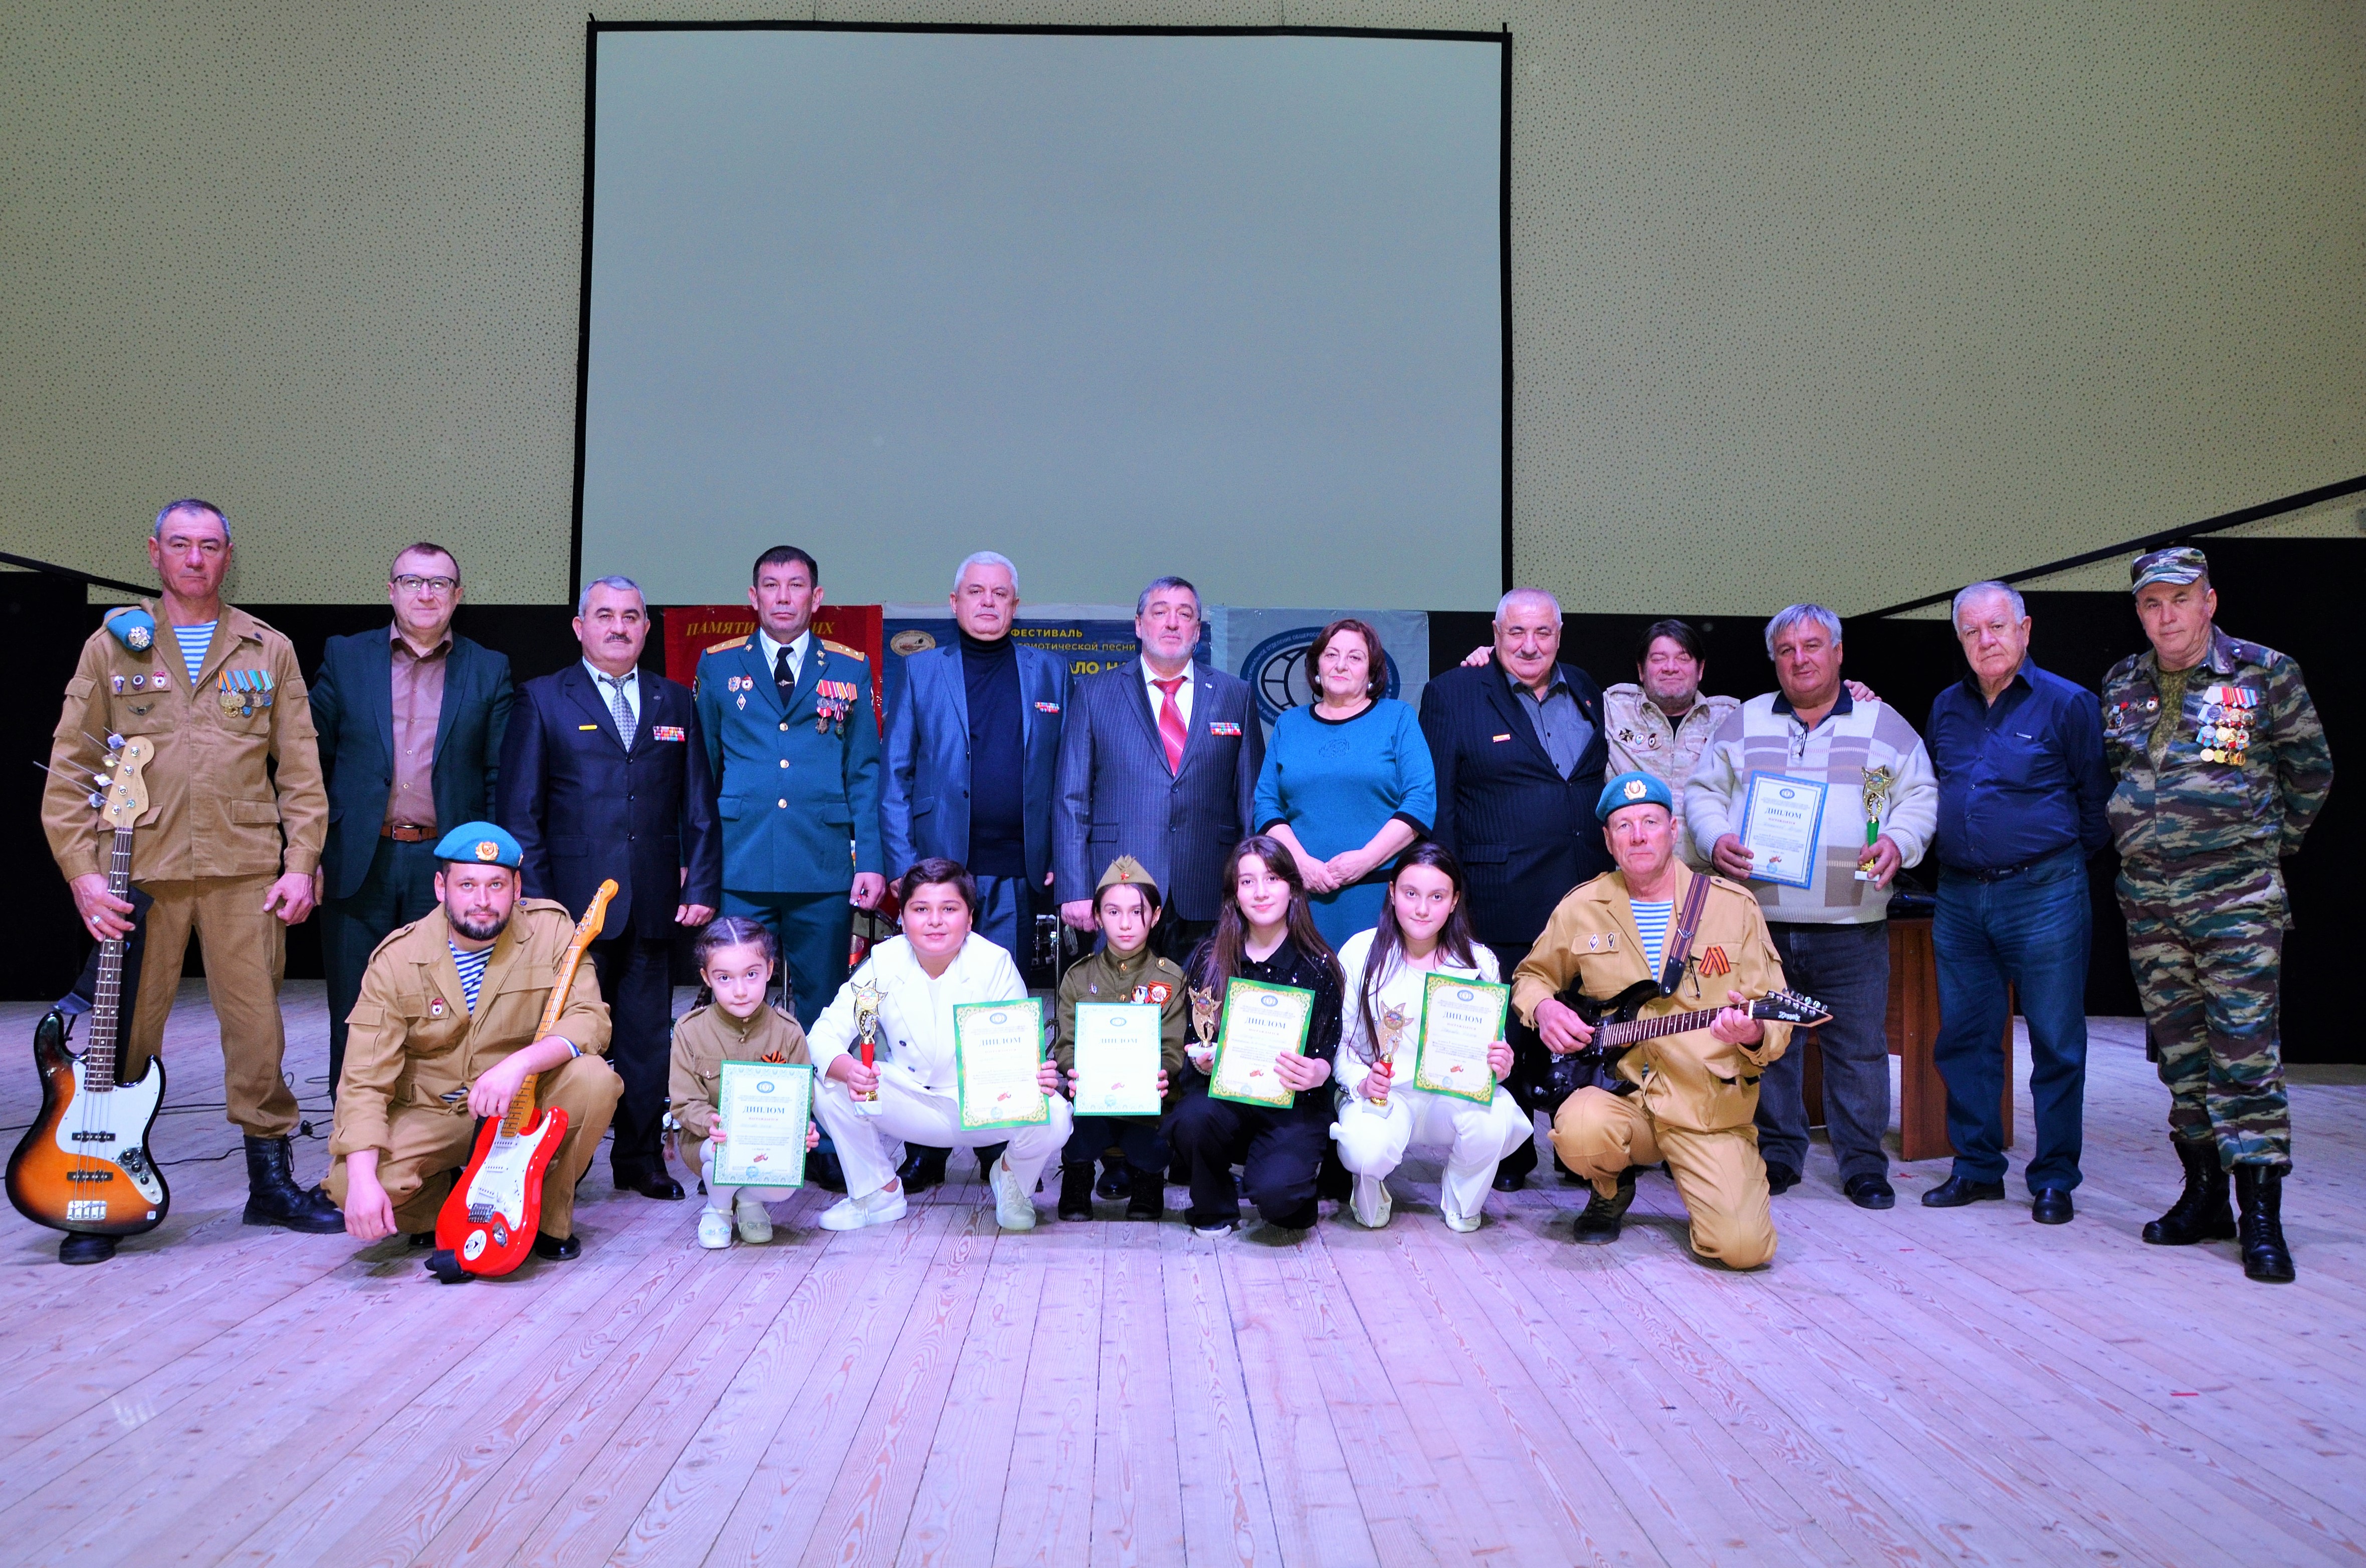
column 480, row 844
column 134, row 627
column 1633, row 788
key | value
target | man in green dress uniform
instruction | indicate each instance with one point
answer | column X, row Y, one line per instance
column 2222, row 767
column 790, row 733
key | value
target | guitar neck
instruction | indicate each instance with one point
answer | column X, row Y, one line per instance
column 522, row 1106
column 1615, row 1034
column 106, row 1006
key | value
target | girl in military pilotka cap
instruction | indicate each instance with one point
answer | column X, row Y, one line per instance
column 1126, row 908
column 735, row 958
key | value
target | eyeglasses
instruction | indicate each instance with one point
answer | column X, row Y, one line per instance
column 410, row 584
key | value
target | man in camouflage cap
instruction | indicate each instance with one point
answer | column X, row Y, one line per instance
column 2222, row 765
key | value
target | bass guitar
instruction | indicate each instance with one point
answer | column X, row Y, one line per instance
column 487, row 1226
column 84, row 1166
column 1617, row 1026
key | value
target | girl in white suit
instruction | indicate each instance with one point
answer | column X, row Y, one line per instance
column 1422, row 930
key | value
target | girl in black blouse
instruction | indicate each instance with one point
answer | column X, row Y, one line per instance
column 1265, row 933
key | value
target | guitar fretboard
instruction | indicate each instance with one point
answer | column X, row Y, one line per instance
column 98, row 1055
column 1654, row 1027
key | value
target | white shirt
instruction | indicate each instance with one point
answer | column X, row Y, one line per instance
column 606, row 684
column 1182, row 694
column 1400, row 986
column 915, row 1013
column 797, row 650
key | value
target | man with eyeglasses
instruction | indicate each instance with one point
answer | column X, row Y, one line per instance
column 410, row 721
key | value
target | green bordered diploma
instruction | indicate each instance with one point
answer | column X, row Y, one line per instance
column 1262, row 1023
column 997, row 1046
column 1116, row 1059
column 1459, row 1019
column 763, row 1107
column 1780, row 819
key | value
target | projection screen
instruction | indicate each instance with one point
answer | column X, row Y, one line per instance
column 1116, row 304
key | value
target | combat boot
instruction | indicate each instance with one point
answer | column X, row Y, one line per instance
column 2201, row 1212
column 273, row 1199
column 1599, row 1224
column 1146, row 1198
column 1076, row 1192
column 2259, row 1194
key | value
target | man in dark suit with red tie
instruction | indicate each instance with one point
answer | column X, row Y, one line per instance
column 1518, row 747
column 1159, row 760
column 605, row 775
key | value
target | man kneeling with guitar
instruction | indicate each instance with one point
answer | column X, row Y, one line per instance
column 444, row 1033
column 1686, row 1091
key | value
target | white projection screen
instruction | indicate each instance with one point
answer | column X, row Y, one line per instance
column 1115, row 304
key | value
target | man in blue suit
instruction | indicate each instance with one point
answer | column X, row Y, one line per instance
column 973, row 746
column 410, row 722
column 605, row 775
column 794, row 749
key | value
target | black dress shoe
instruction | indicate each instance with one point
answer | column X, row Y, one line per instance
column 1115, row 1181
column 922, row 1168
column 1781, row 1178
column 416, row 1239
column 2051, row 1206
column 649, row 1182
column 80, row 1247
column 1870, row 1191
column 1509, row 1180
column 1958, row 1190
column 558, row 1248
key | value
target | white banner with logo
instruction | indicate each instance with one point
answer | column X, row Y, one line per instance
column 1267, row 648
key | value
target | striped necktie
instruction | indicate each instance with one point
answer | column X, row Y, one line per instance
column 621, row 708
column 1171, row 733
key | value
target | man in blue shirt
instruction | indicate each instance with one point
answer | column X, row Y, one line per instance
column 2022, row 785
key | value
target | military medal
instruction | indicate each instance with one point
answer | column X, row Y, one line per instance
column 436, row 1008
column 119, row 685
column 139, row 682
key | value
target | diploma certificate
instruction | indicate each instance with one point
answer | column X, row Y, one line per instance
column 1261, row 1022
column 997, row 1046
column 1779, row 821
column 763, row 1107
column 1116, row 1059
column 1459, row 1019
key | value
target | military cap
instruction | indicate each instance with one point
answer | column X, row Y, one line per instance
column 2178, row 563
column 480, row 843
column 134, row 627
column 1634, row 788
column 1126, row 870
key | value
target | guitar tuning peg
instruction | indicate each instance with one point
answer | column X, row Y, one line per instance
column 101, row 780
column 114, row 741
column 97, row 800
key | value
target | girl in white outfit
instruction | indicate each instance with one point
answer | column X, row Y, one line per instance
column 1423, row 930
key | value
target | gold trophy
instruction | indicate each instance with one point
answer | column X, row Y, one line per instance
column 1394, row 1021
column 1877, row 798
column 1204, row 1009
column 866, row 1028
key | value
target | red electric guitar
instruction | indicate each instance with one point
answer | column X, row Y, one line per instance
column 487, row 1226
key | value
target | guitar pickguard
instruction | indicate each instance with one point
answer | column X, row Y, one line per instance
column 111, row 1126
column 499, row 1186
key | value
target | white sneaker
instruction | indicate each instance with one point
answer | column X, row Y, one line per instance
column 872, row 1209
column 1220, row 1228
column 1370, row 1202
column 1013, row 1209
column 713, row 1228
column 755, row 1220
column 1465, row 1223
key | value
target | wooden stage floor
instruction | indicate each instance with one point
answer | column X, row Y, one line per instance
column 1909, row 1387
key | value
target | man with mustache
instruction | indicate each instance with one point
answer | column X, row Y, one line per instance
column 605, row 775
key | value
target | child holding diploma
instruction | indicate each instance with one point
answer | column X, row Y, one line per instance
column 1126, row 908
column 1422, row 932
column 735, row 957
column 915, row 982
column 1265, row 933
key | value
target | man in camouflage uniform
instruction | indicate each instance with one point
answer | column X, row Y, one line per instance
column 2222, row 765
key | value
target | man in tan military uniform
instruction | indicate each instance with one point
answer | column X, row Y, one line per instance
column 227, row 848
column 444, row 1033
column 1694, row 1094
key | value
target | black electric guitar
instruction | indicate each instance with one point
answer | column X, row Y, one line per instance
column 83, row 1166
column 1617, row 1026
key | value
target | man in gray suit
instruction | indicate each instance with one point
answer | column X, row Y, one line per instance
column 1159, row 760
column 972, row 749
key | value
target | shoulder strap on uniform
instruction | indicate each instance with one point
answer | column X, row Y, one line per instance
column 726, row 646
column 843, row 650
column 1680, row 945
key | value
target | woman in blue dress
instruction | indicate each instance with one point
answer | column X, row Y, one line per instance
column 1346, row 783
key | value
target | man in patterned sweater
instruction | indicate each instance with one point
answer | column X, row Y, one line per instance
column 1829, row 919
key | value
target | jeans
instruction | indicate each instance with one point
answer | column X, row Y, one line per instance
column 2031, row 930
column 1847, row 969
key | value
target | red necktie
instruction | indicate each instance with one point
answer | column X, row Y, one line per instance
column 1170, row 722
